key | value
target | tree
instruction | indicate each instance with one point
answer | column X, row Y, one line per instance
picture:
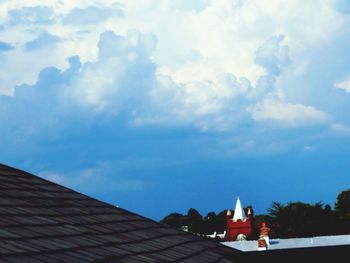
column 194, row 221
column 220, row 225
column 276, row 209
column 174, row 219
column 342, row 205
column 301, row 219
column 209, row 223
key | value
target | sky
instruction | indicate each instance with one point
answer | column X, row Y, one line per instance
column 158, row 106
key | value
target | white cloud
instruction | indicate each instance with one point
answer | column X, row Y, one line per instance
column 286, row 114
column 309, row 148
column 340, row 129
column 123, row 80
column 120, row 77
column 53, row 177
column 116, row 84
column 272, row 56
column 344, row 84
column 209, row 65
column 99, row 177
column 213, row 60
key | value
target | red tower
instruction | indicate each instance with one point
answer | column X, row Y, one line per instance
column 239, row 223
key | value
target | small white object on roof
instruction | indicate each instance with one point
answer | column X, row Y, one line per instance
column 221, row 236
column 239, row 212
column 241, row 237
column 212, row 235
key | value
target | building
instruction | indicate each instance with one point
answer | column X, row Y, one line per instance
column 309, row 249
column 240, row 225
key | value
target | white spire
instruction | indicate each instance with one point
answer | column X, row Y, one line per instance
column 239, row 212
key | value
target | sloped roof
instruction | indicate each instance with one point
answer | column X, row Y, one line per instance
column 41, row 221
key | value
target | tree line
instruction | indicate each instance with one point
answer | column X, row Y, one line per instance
column 293, row 219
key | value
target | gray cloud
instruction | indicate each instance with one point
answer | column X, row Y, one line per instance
column 5, row 47
column 116, row 84
column 91, row 15
column 31, row 15
column 272, row 55
column 44, row 39
column 342, row 6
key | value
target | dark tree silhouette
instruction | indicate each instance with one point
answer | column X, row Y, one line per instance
column 300, row 219
column 194, row 221
column 294, row 219
column 209, row 223
column 221, row 218
column 174, row 219
column 342, row 205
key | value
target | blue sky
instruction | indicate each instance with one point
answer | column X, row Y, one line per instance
column 159, row 106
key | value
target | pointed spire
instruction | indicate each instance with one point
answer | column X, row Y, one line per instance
column 239, row 212
column 228, row 213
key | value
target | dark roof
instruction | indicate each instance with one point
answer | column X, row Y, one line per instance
column 41, row 221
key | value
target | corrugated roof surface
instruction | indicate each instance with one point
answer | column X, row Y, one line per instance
column 44, row 222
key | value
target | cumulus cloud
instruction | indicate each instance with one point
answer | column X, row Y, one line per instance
column 119, row 79
column 161, row 78
column 272, row 55
column 116, row 83
column 218, row 103
column 210, row 105
column 123, row 80
column 211, row 72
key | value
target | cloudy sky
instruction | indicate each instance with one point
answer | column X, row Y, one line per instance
column 162, row 105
